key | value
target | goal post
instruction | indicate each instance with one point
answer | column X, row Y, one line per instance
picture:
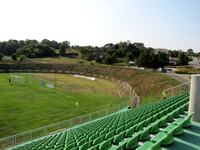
column 17, row 78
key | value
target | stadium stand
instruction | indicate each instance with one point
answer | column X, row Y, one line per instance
column 148, row 127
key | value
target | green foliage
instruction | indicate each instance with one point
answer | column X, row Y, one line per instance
column 32, row 48
column 163, row 59
column 14, row 57
column 182, row 59
column 109, row 59
column 1, row 56
column 22, row 58
column 190, row 52
column 52, row 44
column 62, row 50
column 64, row 45
column 145, row 59
column 38, row 50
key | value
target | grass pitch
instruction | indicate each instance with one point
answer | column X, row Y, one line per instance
column 28, row 106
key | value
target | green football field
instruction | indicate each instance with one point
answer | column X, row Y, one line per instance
column 29, row 105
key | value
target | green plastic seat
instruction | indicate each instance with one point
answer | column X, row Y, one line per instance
column 155, row 143
column 98, row 140
column 70, row 146
column 117, row 147
column 170, row 117
column 85, row 146
column 163, row 122
column 147, row 122
column 81, row 142
column 132, row 142
column 103, row 132
column 182, row 123
column 75, row 148
column 155, row 127
column 109, row 135
column 150, row 146
column 96, row 147
column 169, row 131
column 118, row 138
column 119, row 130
column 94, row 136
column 145, row 133
column 105, row 144
column 187, row 120
column 139, row 126
column 129, row 132
column 127, row 126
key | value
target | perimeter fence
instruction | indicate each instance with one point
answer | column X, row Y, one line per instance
column 179, row 89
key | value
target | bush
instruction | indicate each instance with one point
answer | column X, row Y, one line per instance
column 108, row 59
column 14, row 57
column 62, row 52
column 22, row 58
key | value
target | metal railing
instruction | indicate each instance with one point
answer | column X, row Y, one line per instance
column 182, row 88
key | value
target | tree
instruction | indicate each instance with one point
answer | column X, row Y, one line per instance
column 2, row 47
column 146, row 57
column 14, row 57
column 38, row 50
column 31, row 42
column 54, row 44
column 163, row 59
column 190, row 52
column 108, row 59
column 22, row 58
column 173, row 53
column 182, row 59
column 1, row 56
column 62, row 51
column 155, row 61
column 46, row 41
column 65, row 45
column 11, row 47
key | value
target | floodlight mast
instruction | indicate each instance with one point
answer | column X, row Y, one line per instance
column 194, row 103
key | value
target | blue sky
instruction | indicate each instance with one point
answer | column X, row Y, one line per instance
column 171, row 24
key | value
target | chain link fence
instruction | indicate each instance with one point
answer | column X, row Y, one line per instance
column 179, row 89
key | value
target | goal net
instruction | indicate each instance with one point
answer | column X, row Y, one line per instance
column 17, row 78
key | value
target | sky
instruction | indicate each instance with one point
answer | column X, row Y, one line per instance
column 171, row 24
